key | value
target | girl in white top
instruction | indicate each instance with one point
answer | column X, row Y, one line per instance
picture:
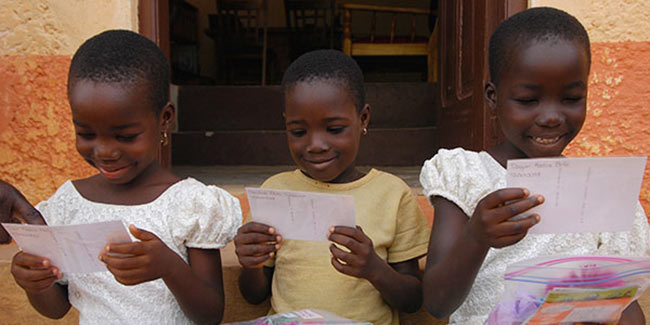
column 539, row 65
column 118, row 88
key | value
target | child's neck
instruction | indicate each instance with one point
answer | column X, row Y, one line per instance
column 145, row 188
column 349, row 175
column 504, row 152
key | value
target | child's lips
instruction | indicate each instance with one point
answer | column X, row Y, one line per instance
column 320, row 163
column 112, row 172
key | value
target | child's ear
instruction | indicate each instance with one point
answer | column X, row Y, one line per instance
column 490, row 94
column 167, row 116
column 364, row 116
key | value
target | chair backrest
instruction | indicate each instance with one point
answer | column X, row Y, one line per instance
column 239, row 19
column 394, row 11
column 311, row 21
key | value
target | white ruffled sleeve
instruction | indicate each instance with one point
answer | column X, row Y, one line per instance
column 459, row 176
column 208, row 219
column 635, row 242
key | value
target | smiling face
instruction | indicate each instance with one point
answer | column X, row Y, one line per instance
column 541, row 98
column 324, row 130
column 117, row 131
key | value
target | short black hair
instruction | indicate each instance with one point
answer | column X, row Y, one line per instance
column 124, row 57
column 331, row 66
column 532, row 25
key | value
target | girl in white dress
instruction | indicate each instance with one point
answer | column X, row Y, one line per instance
column 539, row 65
column 118, row 88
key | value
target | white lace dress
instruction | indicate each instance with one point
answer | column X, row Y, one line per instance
column 464, row 178
column 188, row 214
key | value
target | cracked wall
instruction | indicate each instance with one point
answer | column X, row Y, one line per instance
column 37, row 40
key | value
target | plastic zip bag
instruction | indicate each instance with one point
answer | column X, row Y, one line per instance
column 568, row 289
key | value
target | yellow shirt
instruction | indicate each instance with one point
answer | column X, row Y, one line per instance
column 304, row 276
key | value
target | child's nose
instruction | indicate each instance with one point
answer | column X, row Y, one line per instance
column 105, row 151
column 317, row 143
column 550, row 116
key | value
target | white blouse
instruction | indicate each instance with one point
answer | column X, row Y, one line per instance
column 188, row 214
column 464, row 178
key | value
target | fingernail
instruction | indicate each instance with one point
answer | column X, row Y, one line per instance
column 332, row 229
column 540, row 198
column 101, row 258
column 277, row 246
column 107, row 248
column 271, row 230
column 526, row 191
column 271, row 254
column 278, row 238
column 537, row 218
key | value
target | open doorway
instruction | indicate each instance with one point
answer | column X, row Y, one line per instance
column 240, row 122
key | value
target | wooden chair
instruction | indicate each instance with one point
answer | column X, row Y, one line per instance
column 393, row 45
column 311, row 25
column 240, row 31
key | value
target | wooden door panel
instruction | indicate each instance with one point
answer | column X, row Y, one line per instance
column 464, row 119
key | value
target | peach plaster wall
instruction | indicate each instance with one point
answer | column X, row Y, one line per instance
column 618, row 116
column 37, row 40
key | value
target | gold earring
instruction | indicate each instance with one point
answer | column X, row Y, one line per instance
column 165, row 139
column 365, row 131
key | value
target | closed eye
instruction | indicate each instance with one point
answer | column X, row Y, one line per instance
column 336, row 129
column 525, row 101
column 573, row 99
column 85, row 135
column 297, row 132
column 127, row 137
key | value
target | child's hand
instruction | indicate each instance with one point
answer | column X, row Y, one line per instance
column 138, row 262
column 489, row 224
column 255, row 243
column 361, row 261
column 34, row 274
column 15, row 208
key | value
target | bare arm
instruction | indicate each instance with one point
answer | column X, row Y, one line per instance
column 400, row 285
column 255, row 284
column 448, row 277
column 459, row 244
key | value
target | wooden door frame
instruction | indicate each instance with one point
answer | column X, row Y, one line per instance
column 153, row 22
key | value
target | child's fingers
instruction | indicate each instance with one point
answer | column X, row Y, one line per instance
column 343, row 256
column 31, row 261
column 351, row 243
column 355, row 232
column 256, row 227
column 256, row 250
column 254, row 261
column 124, row 262
column 510, row 210
column 345, row 269
column 134, row 248
column 255, row 238
column 502, row 196
column 508, row 240
column 141, row 234
column 517, row 227
column 30, row 275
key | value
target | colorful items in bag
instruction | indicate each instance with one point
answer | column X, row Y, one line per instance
column 570, row 289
